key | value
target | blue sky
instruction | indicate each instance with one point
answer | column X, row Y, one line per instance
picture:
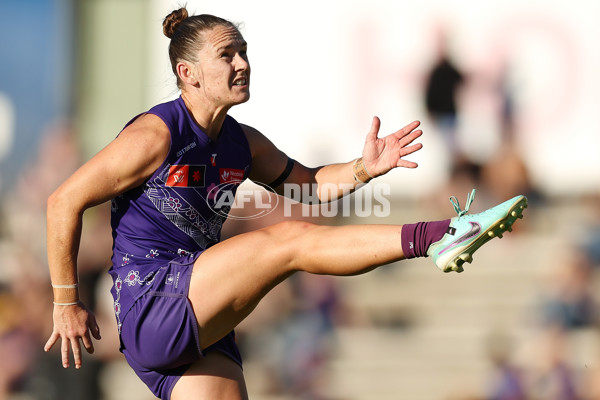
column 34, row 74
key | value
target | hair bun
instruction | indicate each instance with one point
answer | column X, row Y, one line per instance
column 172, row 21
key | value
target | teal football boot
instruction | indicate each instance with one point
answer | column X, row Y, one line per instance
column 467, row 233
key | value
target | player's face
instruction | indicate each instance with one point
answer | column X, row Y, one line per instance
column 223, row 69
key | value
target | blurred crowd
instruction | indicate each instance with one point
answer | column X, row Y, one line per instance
column 292, row 336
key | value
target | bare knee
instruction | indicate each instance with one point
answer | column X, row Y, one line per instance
column 293, row 239
column 291, row 235
column 290, row 230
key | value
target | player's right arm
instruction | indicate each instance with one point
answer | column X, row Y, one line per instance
column 125, row 163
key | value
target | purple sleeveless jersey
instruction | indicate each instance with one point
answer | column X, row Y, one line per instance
column 178, row 211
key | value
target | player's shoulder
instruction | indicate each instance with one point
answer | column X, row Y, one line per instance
column 149, row 123
column 249, row 130
column 253, row 135
column 257, row 141
column 149, row 127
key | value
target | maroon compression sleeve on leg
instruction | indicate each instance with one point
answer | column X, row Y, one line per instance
column 416, row 238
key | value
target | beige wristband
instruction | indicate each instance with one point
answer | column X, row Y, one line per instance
column 71, row 286
column 65, row 295
column 360, row 171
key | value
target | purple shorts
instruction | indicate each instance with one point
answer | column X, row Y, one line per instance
column 159, row 335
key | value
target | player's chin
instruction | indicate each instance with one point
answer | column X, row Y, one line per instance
column 242, row 98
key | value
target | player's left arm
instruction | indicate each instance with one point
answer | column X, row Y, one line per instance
column 332, row 181
column 270, row 165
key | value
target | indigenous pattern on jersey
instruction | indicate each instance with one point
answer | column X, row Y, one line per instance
column 179, row 211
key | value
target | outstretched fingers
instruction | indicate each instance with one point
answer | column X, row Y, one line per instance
column 69, row 331
column 53, row 338
column 76, row 352
column 406, row 136
column 64, row 347
column 406, row 151
column 410, row 137
column 382, row 154
column 87, row 343
column 374, row 131
column 95, row 331
column 68, row 344
column 407, row 130
column 94, row 328
column 64, row 352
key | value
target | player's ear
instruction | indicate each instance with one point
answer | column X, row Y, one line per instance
column 187, row 73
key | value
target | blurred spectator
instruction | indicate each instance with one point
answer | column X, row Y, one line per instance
column 16, row 344
column 505, row 173
column 442, row 84
column 26, row 370
column 554, row 378
column 569, row 301
column 590, row 383
column 308, row 331
column 507, row 380
column 590, row 235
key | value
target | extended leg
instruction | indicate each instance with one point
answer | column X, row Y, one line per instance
column 231, row 277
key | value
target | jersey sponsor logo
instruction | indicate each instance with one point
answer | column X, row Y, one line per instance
column 186, row 149
column 228, row 175
column 213, row 159
column 186, row 175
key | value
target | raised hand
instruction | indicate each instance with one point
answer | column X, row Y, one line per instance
column 380, row 155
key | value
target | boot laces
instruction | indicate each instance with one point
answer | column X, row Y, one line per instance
column 456, row 204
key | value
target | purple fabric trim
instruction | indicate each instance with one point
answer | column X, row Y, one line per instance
column 416, row 238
